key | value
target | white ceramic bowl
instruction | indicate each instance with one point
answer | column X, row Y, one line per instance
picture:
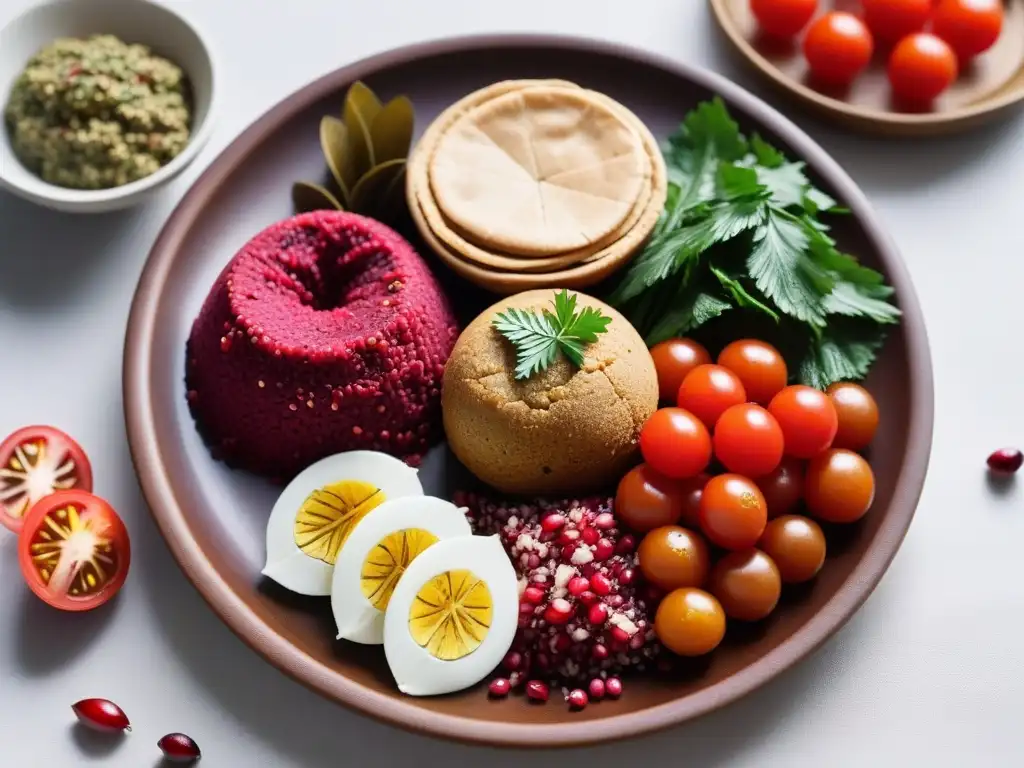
column 134, row 21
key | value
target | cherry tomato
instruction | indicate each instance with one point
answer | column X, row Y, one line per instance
column 733, row 512
column 748, row 440
column 783, row 489
column 797, row 545
column 921, row 67
column 673, row 359
column 36, row 461
column 783, row 18
column 690, row 622
column 747, row 584
column 808, row 419
column 858, row 415
column 758, row 365
column 647, row 499
column 890, row 20
column 74, row 551
column 672, row 557
column 839, row 487
column 675, row 443
column 838, row 47
column 969, row 26
column 708, row 390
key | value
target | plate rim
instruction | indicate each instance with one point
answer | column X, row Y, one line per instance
column 896, row 123
column 159, row 492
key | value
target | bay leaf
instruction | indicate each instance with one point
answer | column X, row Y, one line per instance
column 334, row 141
column 361, row 108
column 307, row 197
column 391, row 132
column 375, row 187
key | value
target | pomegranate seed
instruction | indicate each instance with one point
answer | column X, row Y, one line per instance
column 101, row 715
column 536, row 691
column 577, row 698
column 1007, row 460
column 499, row 687
column 597, row 615
column 600, row 652
column 626, row 577
column 552, row 522
column 588, row 598
column 636, row 642
column 619, row 635
column 559, row 611
column 533, row 561
column 600, row 584
column 590, row 536
column 596, row 689
column 605, row 520
column 525, row 609
column 179, row 748
column 534, row 595
column 578, row 585
column 570, row 536
column 616, row 601
column 626, row 545
column 563, row 643
column 568, row 551
column 604, row 549
column 613, row 686
column 513, row 661
column 543, row 662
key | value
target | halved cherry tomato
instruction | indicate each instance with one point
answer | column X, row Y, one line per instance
column 74, row 551
column 34, row 462
column 733, row 512
column 969, row 26
column 675, row 443
column 758, row 365
column 838, row 47
column 889, row 20
column 783, row 18
column 673, row 359
column 808, row 419
column 921, row 67
column 748, row 440
column 708, row 390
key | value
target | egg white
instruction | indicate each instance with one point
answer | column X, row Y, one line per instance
column 357, row 618
column 288, row 565
column 416, row 671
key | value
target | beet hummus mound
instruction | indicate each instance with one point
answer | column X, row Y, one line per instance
column 325, row 333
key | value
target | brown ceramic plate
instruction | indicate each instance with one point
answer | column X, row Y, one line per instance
column 991, row 85
column 214, row 519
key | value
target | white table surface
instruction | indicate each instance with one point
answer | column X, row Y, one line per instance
column 928, row 673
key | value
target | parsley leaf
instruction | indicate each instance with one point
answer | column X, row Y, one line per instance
column 539, row 337
column 691, row 309
column 845, row 352
column 741, row 296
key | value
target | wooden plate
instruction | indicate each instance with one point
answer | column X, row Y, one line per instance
column 214, row 519
column 993, row 84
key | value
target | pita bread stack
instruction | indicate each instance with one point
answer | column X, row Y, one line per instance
column 536, row 183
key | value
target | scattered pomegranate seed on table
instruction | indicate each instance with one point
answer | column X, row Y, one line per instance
column 613, row 686
column 499, row 687
column 101, row 715
column 577, row 698
column 1006, row 460
column 537, row 691
column 179, row 748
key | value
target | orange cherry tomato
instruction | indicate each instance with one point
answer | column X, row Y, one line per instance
column 36, row 461
column 783, row 18
column 690, row 622
column 673, row 557
column 858, row 415
column 673, row 359
column 74, row 551
column 797, row 545
column 890, row 20
column 675, row 443
column 708, row 390
column 733, row 512
column 969, row 26
column 921, row 67
column 783, row 489
column 808, row 420
column 839, row 487
column 747, row 584
column 838, row 46
column 647, row 499
column 759, row 367
column 748, row 440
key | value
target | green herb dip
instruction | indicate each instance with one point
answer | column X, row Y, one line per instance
column 98, row 113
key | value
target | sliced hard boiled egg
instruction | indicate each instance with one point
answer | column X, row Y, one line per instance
column 377, row 553
column 452, row 616
column 318, row 510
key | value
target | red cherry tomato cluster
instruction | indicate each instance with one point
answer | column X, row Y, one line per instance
column 73, row 548
column 722, row 544
column 929, row 42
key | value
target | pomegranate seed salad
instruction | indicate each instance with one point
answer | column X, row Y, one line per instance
column 660, row 411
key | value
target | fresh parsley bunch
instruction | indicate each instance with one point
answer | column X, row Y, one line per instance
column 742, row 231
